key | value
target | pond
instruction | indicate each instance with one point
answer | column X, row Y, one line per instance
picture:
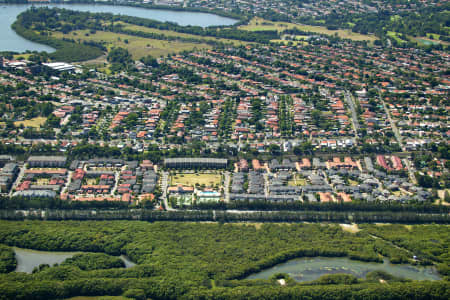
column 307, row 269
column 10, row 41
column 28, row 259
column 427, row 42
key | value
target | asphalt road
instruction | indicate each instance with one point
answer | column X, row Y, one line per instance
column 351, row 104
column 398, row 137
column 18, row 180
column 226, row 187
column 164, row 183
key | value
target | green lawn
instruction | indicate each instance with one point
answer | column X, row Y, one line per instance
column 183, row 200
column 353, row 182
column 421, row 40
column 180, row 34
column 22, row 56
column 137, row 46
column 297, row 181
column 428, row 41
column 209, row 180
column 35, row 122
column 395, row 36
column 258, row 24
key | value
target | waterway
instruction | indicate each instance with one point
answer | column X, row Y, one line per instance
column 11, row 41
column 307, row 269
column 28, row 259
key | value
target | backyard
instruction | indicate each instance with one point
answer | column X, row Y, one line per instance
column 297, row 180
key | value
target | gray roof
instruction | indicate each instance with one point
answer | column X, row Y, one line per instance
column 313, row 188
column 310, row 197
column 50, row 187
column 75, row 185
column 6, row 157
column 285, row 190
column 105, row 160
column 132, row 164
column 369, row 164
column 198, row 160
column 262, row 197
column 35, row 193
column 74, row 165
column 47, row 158
column 10, row 168
column 99, row 172
column 348, row 188
column 4, row 179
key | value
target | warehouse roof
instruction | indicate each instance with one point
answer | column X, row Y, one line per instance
column 47, row 158
column 196, row 160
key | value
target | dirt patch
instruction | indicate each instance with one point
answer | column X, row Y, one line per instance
column 96, row 61
column 352, row 228
column 257, row 225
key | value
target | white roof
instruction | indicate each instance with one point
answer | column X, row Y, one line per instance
column 60, row 66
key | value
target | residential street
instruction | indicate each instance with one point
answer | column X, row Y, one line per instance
column 351, row 104
column 164, row 184
column 398, row 138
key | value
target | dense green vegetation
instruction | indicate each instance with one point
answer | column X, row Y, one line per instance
column 120, row 59
column 94, row 261
column 206, row 261
column 110, row 212
column 400, row 26
column 311, row 206
column 423, row 238
column 42, row 203
column 65, row 50
column 7, row 259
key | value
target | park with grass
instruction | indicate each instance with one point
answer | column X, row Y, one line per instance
column 34, row 122
column 259, row 24
column 175, row 34
column 212, row 180
column 137, row 46
column 206, row 188
column 76, row 40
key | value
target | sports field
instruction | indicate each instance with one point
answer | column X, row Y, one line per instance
column 206, row 179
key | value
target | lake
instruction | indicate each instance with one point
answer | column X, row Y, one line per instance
column 28, row 259
column 307, row 269
column 10, row 41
